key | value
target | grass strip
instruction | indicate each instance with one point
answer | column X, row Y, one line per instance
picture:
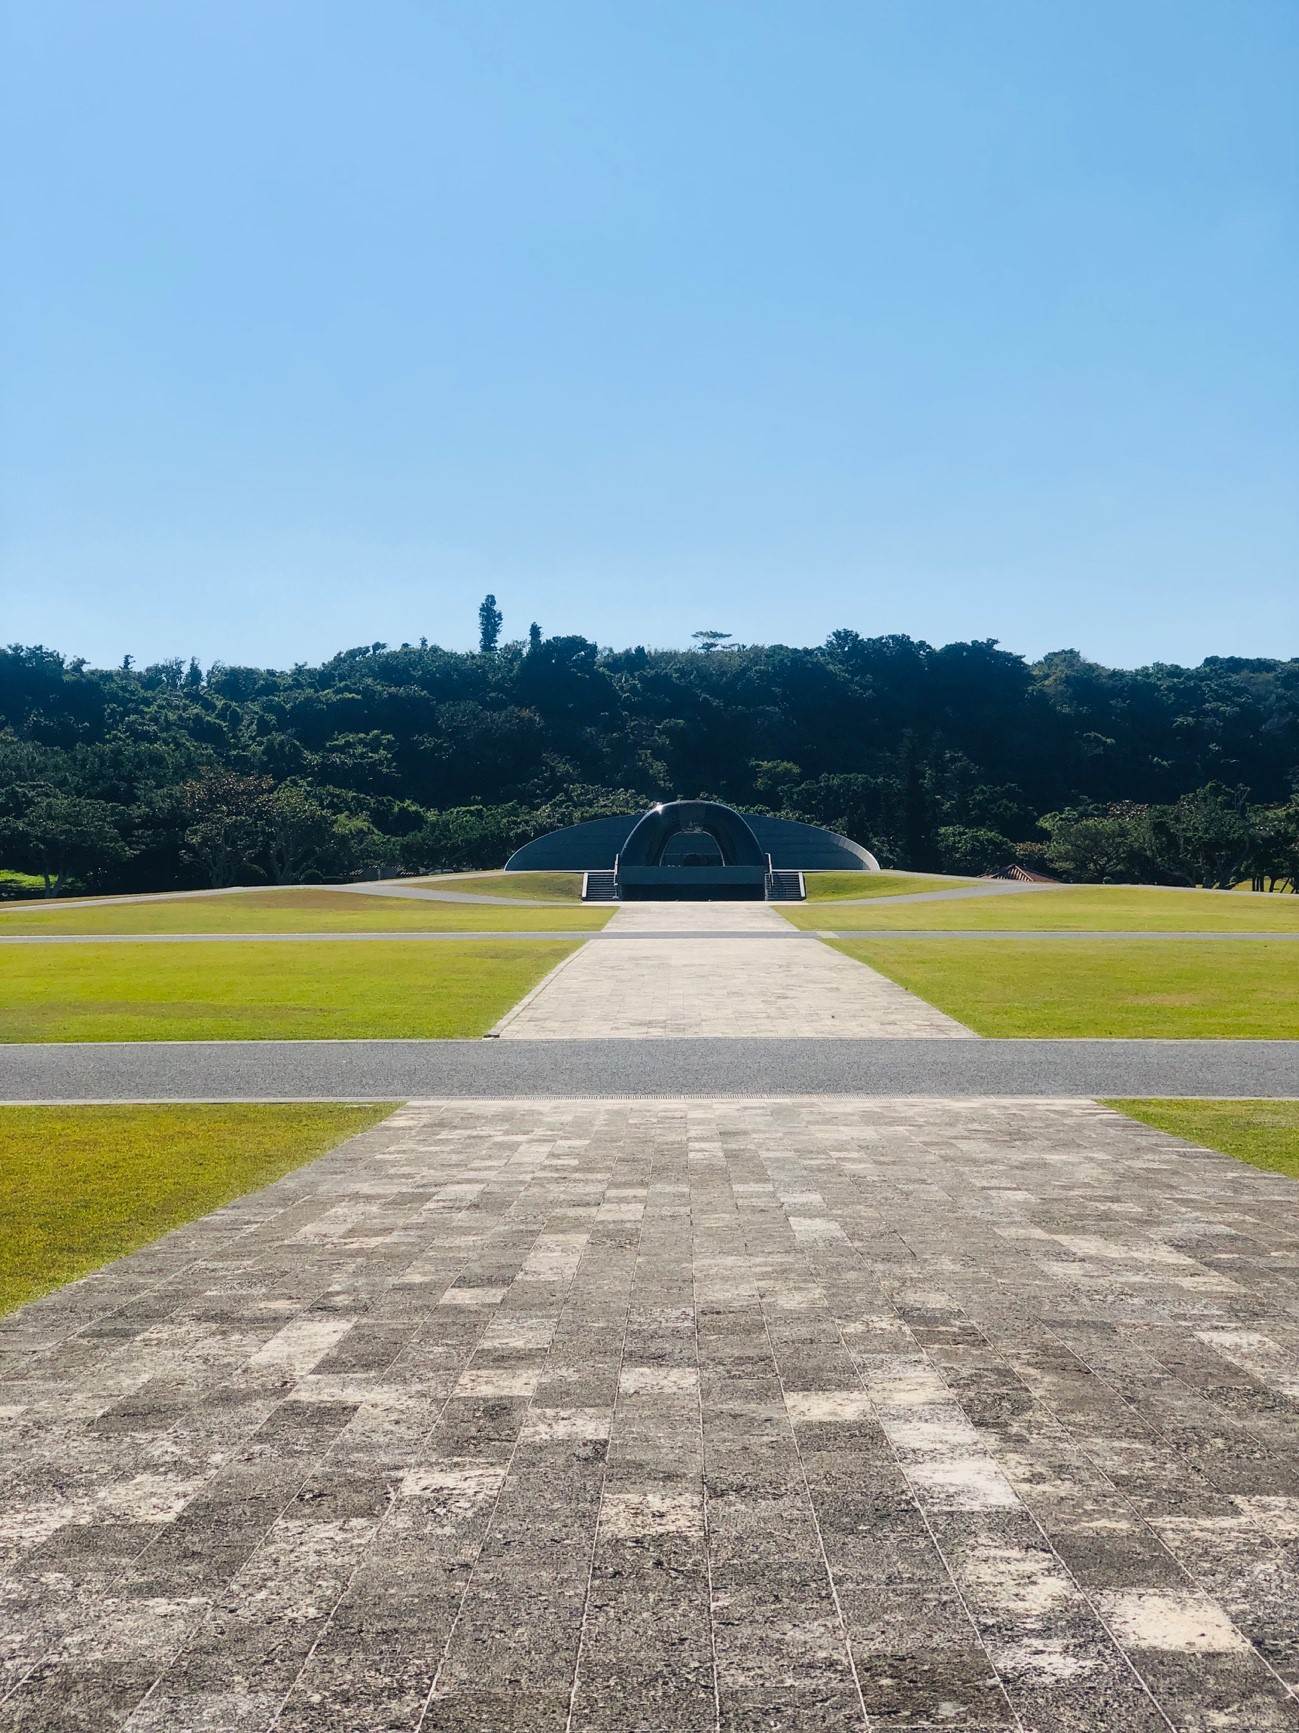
column 1263, row 1133
column 1147, row 988
column 821, row 887
column 80, row 1186
column 301, row 909
column 295, row 991
column 546, row 887
column 1079, row 908
column 837, row 887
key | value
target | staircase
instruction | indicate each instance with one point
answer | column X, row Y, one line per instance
column 600, row 887
column 785, row 887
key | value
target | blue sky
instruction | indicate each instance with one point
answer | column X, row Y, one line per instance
column 963, row 318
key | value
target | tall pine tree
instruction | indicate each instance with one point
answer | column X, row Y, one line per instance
column 490, row 619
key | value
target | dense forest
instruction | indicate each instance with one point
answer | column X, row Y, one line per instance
column 963, row 758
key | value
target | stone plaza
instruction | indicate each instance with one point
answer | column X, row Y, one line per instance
column 765, row 1413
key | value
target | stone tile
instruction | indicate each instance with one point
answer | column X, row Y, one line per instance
column 491, row 1382
column 658, row 1381
column 93, row 1697
column 926, row 1686
column 217, row 1711
column 1184, row 1624
column 637, row 1515
column 810, row 1709
column 497, row 1711
column 550, row 1425
column 828, row 1406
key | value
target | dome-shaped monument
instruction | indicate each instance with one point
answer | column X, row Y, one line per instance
column 648, row 844
column 693, row 849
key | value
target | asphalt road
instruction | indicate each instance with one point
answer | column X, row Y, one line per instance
column 701, row 1066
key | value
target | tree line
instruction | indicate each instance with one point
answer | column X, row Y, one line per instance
column 960, row 758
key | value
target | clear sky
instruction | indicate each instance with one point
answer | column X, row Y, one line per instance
column 963, row 318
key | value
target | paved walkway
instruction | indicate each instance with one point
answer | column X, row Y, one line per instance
column 693, row 985
column 779, row 1413
column 586, row 1418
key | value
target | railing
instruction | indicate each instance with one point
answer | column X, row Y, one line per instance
column 600, row 886
column 776, row 888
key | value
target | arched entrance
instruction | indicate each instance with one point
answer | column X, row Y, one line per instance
column 692, row 849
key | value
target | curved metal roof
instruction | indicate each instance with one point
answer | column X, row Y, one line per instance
column 593, row 846
column 650, row 835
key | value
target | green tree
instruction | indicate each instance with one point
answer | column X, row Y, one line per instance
column 365, row 763
column 1205, row 838
column 60, row 834
column 299, row 831
column 228, row 824
column 868, row 809
column 1110, row 847
column 895, row 739
column 490, row 621
column 1274, row 856
column 358, row 849
column 467, row 837
column 969, row 850
column 773, row 778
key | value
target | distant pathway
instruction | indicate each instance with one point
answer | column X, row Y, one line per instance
column 631, row 986
column 532, row 934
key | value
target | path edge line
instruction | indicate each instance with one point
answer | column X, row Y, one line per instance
column 498, row 1028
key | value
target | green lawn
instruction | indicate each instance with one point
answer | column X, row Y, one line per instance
column 82, row 1185
column 1263, row 1133
column 259, row 992
column 546, row 887
column 300, row 909
column 1082, row 908
column 1156, row 988
column 20, row 884
column 839, row 887
column 821, row 887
